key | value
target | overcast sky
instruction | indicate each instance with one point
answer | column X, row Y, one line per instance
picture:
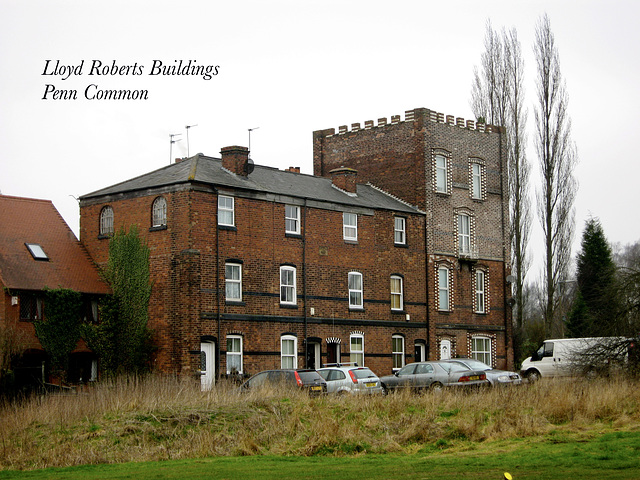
column 287, row 68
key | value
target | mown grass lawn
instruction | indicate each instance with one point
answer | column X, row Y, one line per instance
column 614, row 455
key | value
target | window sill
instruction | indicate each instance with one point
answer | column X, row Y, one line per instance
column 292, row 235
column 356, row 309
column 235, row 303
column 158, row 228
column 401, row 245
column 351, row 241
column 289, row 306
column 103, row 236
column 231, row 228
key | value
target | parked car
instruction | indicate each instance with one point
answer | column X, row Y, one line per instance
column 433, row 375
column 287, row 378
column 344, row 378
column 495, row 377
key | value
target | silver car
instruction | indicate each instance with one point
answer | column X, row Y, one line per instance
column 434, row 376
column 343, row 378
column 495, row 377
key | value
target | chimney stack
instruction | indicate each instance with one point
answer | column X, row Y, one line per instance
column 344, row 178
column 236, row 160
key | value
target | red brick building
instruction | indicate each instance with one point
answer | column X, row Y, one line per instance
column 38, row 250
column 256, row 268
column 455, row 171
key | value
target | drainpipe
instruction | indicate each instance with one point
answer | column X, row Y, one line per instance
column 218, row 316
column 304, row 284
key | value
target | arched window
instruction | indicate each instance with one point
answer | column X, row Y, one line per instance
column 106, row 221
column 159, row 212
column 288, row 351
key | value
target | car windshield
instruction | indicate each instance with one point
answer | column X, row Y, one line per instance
column 363, row 373
column 309, row 376
column 476, row 364
column 453, row 367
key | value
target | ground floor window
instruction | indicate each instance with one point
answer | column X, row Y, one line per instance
column 481, row 349
column 288, row 351
column 357, row 349
column 234, row 354
column 397, row 351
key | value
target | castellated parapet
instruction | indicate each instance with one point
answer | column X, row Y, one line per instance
column 411, row 116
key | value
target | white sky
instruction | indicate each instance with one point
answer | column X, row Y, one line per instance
column 292, row 67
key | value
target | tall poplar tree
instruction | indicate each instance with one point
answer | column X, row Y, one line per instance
column 557, row 158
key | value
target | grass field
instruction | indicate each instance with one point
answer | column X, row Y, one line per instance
column 163, row 428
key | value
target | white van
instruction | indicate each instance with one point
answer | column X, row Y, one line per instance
column 560, row 357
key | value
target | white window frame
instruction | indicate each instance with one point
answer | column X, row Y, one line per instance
column 442, row 173
column 464, row 234
column 233, row 281
column 481, row 297
column 399, row 294
column 356, row 290
column 288, row 286
column 226, row 207
column 350, row 226
column 444, row 289
column 400, row 231
column 356, row 355
column 106, row 221
column 233, row 352
column 481, row 349
column 397, row 351
column 292, row 219
column 159, row 212
column 476, row 181
column 288, row 351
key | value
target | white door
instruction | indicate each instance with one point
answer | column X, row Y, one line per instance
column 207, row 365
column 445, row 349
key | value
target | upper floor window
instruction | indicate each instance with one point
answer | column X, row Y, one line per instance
column 30, row 307
column 226, row 213
column 288, row 351
column 400, row 231
column 481, row 349
column 233, row 282
column 480, row 301
column 234, row 354
column 355, row 290
column 350, row 226
column 464, row 234
column 356, row 353
column 288, row 285
column 441, row 174
column 159, row 212
column 106, row 221
column 397, row 351
column 477, row 180
column 443, row 289
column 292, row 219
column 397, row 301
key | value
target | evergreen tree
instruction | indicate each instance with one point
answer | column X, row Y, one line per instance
column 596, row 306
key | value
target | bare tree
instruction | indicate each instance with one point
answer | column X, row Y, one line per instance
column 557, row 158
column 497, row 97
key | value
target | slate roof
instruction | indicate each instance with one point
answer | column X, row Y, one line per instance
column 27, row 220
column 206, row 170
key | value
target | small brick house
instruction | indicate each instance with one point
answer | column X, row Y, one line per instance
column 38, row 250
column 257, row 268
column 455, row 171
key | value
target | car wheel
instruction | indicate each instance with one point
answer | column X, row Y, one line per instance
column 436, row 387
column 385, row 390
column 533, row 376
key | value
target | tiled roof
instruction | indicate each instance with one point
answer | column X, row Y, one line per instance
column 27, row 220
column 208, row 170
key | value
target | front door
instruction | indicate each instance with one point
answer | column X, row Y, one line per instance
column 207, row 365
column 313, row 355
column 445, row 349
column 333, row 353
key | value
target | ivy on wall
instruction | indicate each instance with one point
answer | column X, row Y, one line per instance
column 122, row 339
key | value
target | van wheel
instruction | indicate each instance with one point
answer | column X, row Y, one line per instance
column 533, row 376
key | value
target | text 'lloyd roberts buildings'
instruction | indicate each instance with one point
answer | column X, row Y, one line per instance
column 394, row 251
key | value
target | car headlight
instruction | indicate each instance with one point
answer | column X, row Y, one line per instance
column 503, row 378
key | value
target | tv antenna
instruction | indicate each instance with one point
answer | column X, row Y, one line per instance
column 250, row 130
column 171, row 142
column 188, row 127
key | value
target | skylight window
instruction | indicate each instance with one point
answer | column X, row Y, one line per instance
column 37, row 251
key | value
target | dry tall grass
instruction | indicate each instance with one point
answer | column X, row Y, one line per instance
column 161, row 418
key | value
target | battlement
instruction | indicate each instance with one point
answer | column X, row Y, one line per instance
column 411, row 116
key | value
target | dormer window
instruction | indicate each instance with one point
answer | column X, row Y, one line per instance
column 36, row 251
